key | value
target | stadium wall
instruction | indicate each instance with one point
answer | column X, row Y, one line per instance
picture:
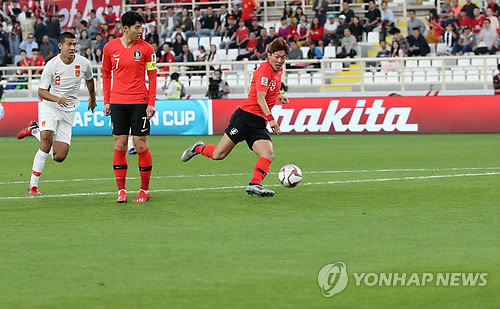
column 396, row 114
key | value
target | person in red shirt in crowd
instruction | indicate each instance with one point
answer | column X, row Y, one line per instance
column 294, row 33
column 117, row 30
column 24, row 62
column 167, row 57
column 477, row 21
column 252, row 52
column 317, row 31
column 242, row 35
column 248, row 123
column 248, row 7
column 464, row 20
column 129, row 102
column 37, row 60
column 105, row 32
column 110, row 17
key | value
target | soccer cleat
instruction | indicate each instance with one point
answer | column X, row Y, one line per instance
column 27, row 131
column 143, row 197
column 122, row 196
column 132, row 151
column 258, row 190
column 33, row 190
column 189, row 153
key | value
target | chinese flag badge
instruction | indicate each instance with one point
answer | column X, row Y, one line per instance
column 77, row 70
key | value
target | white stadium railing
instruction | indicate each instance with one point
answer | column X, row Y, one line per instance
column 326, row 75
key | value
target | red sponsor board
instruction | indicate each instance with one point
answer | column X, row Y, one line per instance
column 16, row 115
column 68, row 8
column 446, row 114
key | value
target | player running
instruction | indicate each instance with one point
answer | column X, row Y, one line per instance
column 248, row 123
column 129, row 102
column 59, row 85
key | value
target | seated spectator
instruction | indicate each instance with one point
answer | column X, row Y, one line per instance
column 340, row 29
column 98, row 56
column 185, row 56
column 330, row 36
column 90, row 56
column 487, row 40
column 314, row 53
column 347, row 48
column 347, row 12
column 446, row 8
column 209, row 24
column 186, row 23
column 169, row 23
column 436, row 30
column 417, row 44
column 449, row 40
column 229, row 36
column 293, row 35
column 493, row 19
column 117, row 31
column 415, row 22
column 494, row 7
column 153, row 36
column 383, row 53
column 167, row 57
column 372, row 17
column 320, row 7
column 251, row 51
column 110, row 17
column 99, row 42
column 272, row 34
column 24, row 62
column 469, row 8
column 295, row 51
column 28, row 45
column 298, row 12
column 284, row 29
column 478, row 20
column 465, row 42
column 356, row 29
column 105, row 32
column 84, row 42
column 387, row 16
column 255, row 27
column 37, row 61
column 178, row 30
column 242, row 35
column 222, row 15
column 287, row 13
column 396, row 52
column 451, row 19
column 403, row 42
column 94, row 24
column 464, row 20
column 40, row 30
column 201, row 57
column 213, row 57
column 178, row 44
column 46, row 49
column 316, row 36
column 262, row 41
column 303, row 31
column 150, row 20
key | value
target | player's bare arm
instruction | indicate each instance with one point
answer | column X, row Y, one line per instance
column 45, row 94
column 91, row 88
column 261, row 99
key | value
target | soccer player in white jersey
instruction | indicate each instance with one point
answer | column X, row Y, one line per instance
column 59, row 87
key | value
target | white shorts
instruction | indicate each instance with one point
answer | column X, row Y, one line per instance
column 55, row 120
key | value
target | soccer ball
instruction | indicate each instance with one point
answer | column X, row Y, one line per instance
column 290, row 175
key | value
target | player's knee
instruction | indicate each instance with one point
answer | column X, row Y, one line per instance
column 141, row 147
column 269, row 156
column 219, row 155
column 59, row 158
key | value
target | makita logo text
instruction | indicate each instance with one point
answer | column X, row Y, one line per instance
column 374, row 118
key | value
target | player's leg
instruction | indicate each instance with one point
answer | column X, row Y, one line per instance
column 46, row 140
column 120, row 129
column 62, row 138
column 140, row 128
column 264, row 149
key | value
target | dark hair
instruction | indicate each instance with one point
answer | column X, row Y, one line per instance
column 174, row 76
column 84, row 23
column 64, row 36
column 92, row 11
column 28, row 14
column 415, row 28
column 35, row 50
column 411, row 11
column 371, row 1
column 282, row 18
column 130, row 18
column 488, row 20
column 277, row 45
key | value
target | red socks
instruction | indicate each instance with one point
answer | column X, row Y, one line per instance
column 260, row 170
column 145, row 166
column 120, row 168
column 206, row 150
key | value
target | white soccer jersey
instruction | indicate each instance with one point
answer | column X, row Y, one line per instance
column 65, row 80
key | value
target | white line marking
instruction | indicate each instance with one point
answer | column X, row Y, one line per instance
column 247, row 174
column 241, row 187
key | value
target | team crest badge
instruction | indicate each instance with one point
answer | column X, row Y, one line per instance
column 43, row 123
column 77, row 70
column 137, row 54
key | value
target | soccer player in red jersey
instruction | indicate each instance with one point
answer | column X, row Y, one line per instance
column 127, row 99
column 248, row 123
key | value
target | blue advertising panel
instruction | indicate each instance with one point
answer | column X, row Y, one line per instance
column 172, row 117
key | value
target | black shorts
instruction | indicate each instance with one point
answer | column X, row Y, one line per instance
column 245, row 126
column 127, row 118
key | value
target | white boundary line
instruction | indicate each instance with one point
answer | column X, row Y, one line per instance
column 247, row 174
column 241, row 187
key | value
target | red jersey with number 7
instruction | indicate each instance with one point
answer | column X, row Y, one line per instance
column 264, row 79
column 123, row 72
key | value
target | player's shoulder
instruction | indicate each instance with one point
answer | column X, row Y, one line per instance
column 79, row 59
column 52, row 62
column 111, row 45
column 264, row 68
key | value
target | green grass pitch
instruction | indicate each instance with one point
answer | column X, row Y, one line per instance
column 378, row 203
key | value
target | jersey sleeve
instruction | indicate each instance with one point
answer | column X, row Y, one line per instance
column 88, row 72
column 151, row 69
column 261, row 79
column 106, row 73
column 46, row 78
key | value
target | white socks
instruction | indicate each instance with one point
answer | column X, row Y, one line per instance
column 38, row 164
column 36, row 133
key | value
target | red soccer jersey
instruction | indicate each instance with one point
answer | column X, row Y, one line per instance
column 264, row 79
column 40, row 61
column 123, row 69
